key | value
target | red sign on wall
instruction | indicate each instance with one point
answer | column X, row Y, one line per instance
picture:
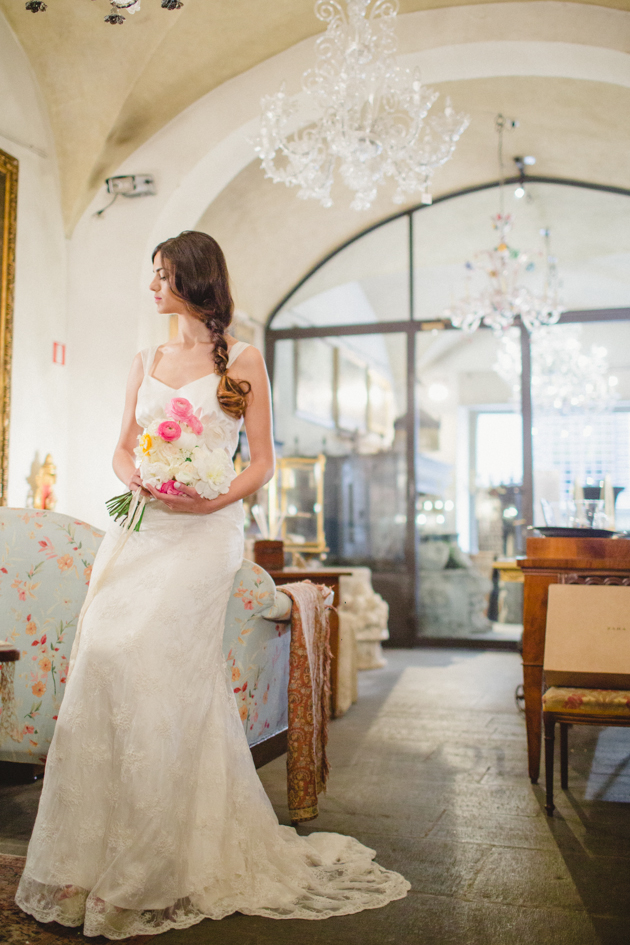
column 59, row 353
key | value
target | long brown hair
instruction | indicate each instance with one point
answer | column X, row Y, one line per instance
column 197, row 274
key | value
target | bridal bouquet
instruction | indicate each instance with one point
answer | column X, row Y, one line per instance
column 179, row 448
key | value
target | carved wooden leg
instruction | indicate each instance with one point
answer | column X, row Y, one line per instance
column 532, row 685
column 550, row 726
column 564, row 755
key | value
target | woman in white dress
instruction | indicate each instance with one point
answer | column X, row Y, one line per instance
column 152, row 815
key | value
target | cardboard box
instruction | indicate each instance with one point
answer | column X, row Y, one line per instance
column 587, row 643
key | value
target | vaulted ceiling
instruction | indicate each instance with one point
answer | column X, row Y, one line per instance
column 109, row 88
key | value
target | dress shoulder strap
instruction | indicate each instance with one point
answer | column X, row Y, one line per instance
column 235, row 350
column 148, row 357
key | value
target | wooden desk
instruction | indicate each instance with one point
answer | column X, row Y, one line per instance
column 509, row 571
column 331, row 579
column 587, row 561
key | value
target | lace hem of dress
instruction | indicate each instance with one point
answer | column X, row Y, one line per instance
column 335, row 891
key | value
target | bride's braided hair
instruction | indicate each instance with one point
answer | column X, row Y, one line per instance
column 197, row 274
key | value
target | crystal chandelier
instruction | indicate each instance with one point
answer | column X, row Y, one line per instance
column 505, row 298
column 565, row 378
column 115, row 16
column 360, row 111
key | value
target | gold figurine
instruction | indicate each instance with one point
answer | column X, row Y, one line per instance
column 45, row 479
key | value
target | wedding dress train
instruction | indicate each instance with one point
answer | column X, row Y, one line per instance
column 152, row 815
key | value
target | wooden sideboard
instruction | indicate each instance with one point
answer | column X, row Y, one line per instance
column 551, row 561
column 331, row 580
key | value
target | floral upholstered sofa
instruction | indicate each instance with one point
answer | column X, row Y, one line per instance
column 45, row 565
column 256, row 645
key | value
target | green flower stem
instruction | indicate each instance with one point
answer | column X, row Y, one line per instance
column 119, row 506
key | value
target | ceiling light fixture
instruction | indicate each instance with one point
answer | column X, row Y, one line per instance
column 504, row 297
column 115, row 17
column 361, row 114
column 522, row 163
column 566, row 376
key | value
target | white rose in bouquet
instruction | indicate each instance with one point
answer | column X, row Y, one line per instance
column 216, row 471
column 216, row 431
column 155, row 473
column 187, row 442
column 186, row 473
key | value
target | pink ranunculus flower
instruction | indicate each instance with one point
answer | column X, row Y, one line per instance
column 170, row 488
column 180, row 409
column 169, row 430
column 195, row 424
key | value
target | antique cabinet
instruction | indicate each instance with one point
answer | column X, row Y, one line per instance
column 588, row 561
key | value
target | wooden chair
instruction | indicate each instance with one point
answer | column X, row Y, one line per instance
column 570, row 706
column 582, row 703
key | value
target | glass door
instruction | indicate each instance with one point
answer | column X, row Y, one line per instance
column 469, row 481
column 581, row 428
column 343, row 398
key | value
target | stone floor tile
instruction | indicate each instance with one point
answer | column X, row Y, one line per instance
column 433, row 867
column 388, row 825
column 535, row 878
column 596, row 838
column 13, row 848
column 417, row 920
column 526, row 832
column 611, row 930
column 553, row 879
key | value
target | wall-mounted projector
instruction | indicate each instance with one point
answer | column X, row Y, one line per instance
column 131, row 185
column 128, row 185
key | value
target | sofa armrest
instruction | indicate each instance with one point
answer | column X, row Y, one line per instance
column 280, row 610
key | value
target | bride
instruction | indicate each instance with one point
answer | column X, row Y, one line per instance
column 152, row 815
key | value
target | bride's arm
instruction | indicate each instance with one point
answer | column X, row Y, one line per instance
column 258, row 425
column 124, row 462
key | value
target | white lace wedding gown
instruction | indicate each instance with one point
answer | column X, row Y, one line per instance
column 152, row 815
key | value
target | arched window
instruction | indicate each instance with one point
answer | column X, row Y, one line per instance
column 436, row 459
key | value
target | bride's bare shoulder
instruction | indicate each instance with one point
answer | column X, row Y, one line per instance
column 250, row 359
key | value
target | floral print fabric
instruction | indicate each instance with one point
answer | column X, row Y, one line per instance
column 309, row 698
column 256, row 647
column 587, row 701
column 45, row 566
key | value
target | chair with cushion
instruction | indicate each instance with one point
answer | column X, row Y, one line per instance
column 45, row 564
column 570, row 706
column 586, row 662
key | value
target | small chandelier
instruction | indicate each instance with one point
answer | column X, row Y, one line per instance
column 505, row 298
column 362, row 113
column 566, row 378
column 115, row 17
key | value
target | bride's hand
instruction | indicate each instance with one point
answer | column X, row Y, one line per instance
column 188, row 501
column 135, row 483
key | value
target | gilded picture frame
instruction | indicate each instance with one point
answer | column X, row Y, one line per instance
column 8, row 226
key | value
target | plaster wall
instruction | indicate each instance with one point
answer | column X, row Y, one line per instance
column 39, row 387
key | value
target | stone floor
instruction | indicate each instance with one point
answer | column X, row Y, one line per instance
column 429, row 769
